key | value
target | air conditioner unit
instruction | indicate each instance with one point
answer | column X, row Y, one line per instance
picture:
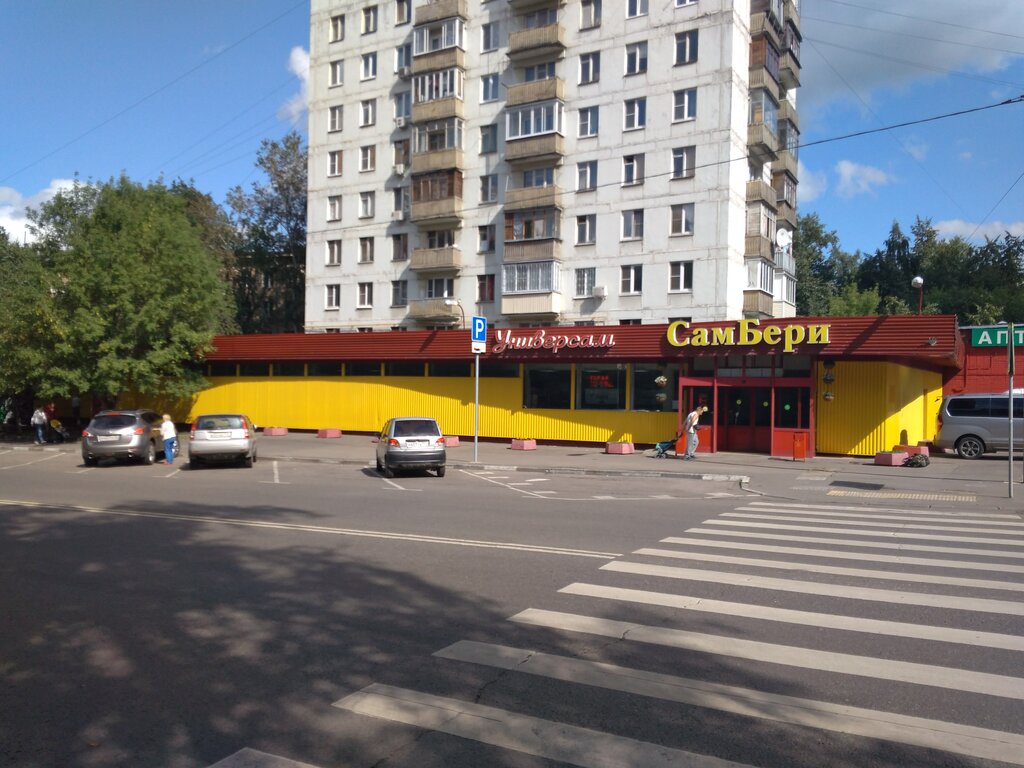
column 402, row 121
column 600, row 291
column 398, row 216
column 400, row 169
column 405, row 71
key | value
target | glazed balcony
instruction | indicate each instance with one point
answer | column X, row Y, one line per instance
column 446, row 58
column 436, row 10
column 758, row 303
column 785, row 161
column 760, row 77
column 441, row 109
column 436, row 259
column 430, row 212
column 789, row 113
column 761, row 191
column 440, row 160
column 791, row 13
column 522, row 198
column 539, row 90
column 789, row 70
column 761, row 142
column 550, row 146
column 537, row 42
column 761, row 24
column 433, row 311
column 547, row 304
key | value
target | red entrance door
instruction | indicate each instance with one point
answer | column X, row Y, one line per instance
column 744, row 419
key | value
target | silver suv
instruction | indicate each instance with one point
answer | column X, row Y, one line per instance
column 133, row 434
column 410, row 442
column 976, row 424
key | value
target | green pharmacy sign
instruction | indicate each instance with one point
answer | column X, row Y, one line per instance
column 995, row 336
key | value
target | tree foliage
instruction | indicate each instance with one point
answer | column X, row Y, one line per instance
column 119, row 293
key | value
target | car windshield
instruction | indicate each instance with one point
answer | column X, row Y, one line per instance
column 411, row 427
column 220, row 422
column 113, row 421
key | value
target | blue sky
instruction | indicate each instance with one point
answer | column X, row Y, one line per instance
column 189, row 89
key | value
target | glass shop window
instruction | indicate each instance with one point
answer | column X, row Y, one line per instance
column 290, row 368
column 223, row 369
column 362, row 369
column 601, row 387
column 499, row 370
column 792, row 407
column 403, row 368
column 324, row 368
column 794, row 366
column 450, row 369
column 548, row 386
column 655, row 388
column 254, row 369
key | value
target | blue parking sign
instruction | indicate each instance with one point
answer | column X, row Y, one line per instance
column 479, row 328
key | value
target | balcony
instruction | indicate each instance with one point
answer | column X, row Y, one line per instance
column 539, row 90
column 433, row 311
column 439, row 160
column 440, row 9
column 538, row 42
column 522, row 198
column 789, row 70
column 760, row 77
column 787, row 212
column 785, row 161
column 791, row 13
column 550, row 146
column 441, row 109
column 436, row 259
column 532, row 250
column 759, row 246
column 535, row 304
column 761, row 191
column 448, row 210
column 757, row 303
column 761, row 24
column 789, row 113
column 761, row 142
column 443, row 59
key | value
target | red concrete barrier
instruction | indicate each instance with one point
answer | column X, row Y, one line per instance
column 524, row 445
column 890, row 458
column 619, row 448
column 329, row 432
column 912, row 449
column 275, row 431
column 452, row 441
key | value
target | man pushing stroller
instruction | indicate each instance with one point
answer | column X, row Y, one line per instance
column 690, row 430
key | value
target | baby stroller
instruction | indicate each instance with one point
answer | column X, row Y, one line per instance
column 60, row 433
column 661, row 449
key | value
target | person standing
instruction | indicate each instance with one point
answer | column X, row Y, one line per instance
column 690, row 426
column 170, row 435
column 39, row 422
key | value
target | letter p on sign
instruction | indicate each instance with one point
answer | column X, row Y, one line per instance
column 479, row 338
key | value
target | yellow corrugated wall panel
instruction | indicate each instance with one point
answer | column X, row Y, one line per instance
column 363, row 404
column 877, row 406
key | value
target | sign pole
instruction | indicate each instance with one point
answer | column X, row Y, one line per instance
column 476, row 410
column 1010, row 371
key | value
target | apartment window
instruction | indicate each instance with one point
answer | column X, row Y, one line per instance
column 488, row 139
column 586, row 229
column 439, row 136
column 403, row 57
column 337, row 28
column 441, row 84
column 590, row 14
column 633, row 321
column 529, row 277
column 539, row 177
column 366, row 204
column 636, row 58
column 334, row 253
column 332, row 296
column 633, row 224
column 485, row 287
column 403, row 104
column 401, row 202
column 367, row 158
column 586, row 277
column 337, row 72
column 489, row 37
column 763, row 110
column 538, row 224
column 334, row 208
column 365, row 295
column 682, row 219
column 684, row 161
column 684, row 105
column 369, row 19
column 635, row 114
column 534, row 119
column 399, row 293
column 335, row 118
column 590, row 67
column 486, row 238
column 334, row 163
column 400, row 247
column 632, row 280
column 367, row 113
column 632, row 170
column 440, row 238
column 686, row 47
column 365, row 250
column 684, row 3
column 588, row 122
column 680, row 276
column 535, row 72
column 403, row 12
column 586, row 176
column 450, row 33
column 489, row 88
column 636, row 8
column 440, row 287
column 489, row 188
column 368, row 70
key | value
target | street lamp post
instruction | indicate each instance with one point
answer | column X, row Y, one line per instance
column 918, row 282
column 457, row 303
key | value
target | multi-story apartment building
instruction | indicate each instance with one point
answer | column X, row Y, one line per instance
column 546, row 162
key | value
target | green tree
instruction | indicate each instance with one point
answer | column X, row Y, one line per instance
column 269, row 275
column 26, row 322
column 823, row 269
column 133, row 296
column 891, row 269
column 853, row 302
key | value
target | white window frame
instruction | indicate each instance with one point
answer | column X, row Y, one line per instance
column 633, row 224
column 334, row 207
column 335, row 162
column 336, row 31
column 490, row 88
column 332, row 296
column 403, row 104
column 632, row 170
column 399, row 293
column 367, row 158
column 450, row 33
column 489, row 188
column 335, row 118
column 684, row 3
column 403, row 12
column 440, row 287
column 687, row 44
column 590, row 67
column 489, row 37
column 684, row 162
column 635, row 8
column 337, row 76
column 332, row 257
column 367, row 113
column 366, row 250
column 369, row 20
column 684, row 105
column 368, row 66
column 586, row 176
column 680, row 277
column 586, row 229
column 636, row 58
column 681, row 219
column 634, row 114
column 529, row 277
column 440, row 84
column 589, row 121
column 488, row 138
column 364, row 299
column 367, row 204
column 631, row 279
column 486, row 238
column 537, row 119
column 590, row 14
column 585, row 280
column 400, row 247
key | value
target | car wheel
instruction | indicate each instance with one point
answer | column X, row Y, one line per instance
column 387, row 471
column 89, row 461
column 440, row 471
column 247, row 462
column 380, row 467
column 194, row 463
column 969, row 447
column 149, row 455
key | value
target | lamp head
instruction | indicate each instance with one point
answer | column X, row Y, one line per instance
column 917, row 282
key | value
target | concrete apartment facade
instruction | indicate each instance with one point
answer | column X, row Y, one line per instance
column 550, row 163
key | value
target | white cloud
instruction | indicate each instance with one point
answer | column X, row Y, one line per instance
column 991, row 229
column 14, row 205
column 813, row 184
column 856, row 179
column 294, row 110
column 916, row 149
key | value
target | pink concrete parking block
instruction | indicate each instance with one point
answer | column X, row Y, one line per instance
column 275, row 431
column 452, row 441
column 890, row 458
column 912, row 449
column 524, row 445
column 619, row 448
column 328, row 433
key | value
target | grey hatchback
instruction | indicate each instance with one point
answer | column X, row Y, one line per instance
column 411, row 442
column 133, row 434
column 222, row 437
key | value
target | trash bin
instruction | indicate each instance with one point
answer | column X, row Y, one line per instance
column 800, row 446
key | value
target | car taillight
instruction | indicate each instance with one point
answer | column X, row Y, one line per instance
column 192, row 432
column 392, row 441
column 245, row 429
column 86, row 433
column 439, row 441
column 938, row 420
column 140, row 430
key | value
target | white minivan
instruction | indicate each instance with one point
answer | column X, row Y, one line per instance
column 979, row 423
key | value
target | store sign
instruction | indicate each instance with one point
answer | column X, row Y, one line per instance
column 507, row 339
column 995, row 336
column 747, row 333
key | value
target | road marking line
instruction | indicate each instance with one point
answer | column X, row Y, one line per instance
column 253, row 758
column 803, row 618
column 866, row 573
column 950, row 678
column 412, row 537
column 791, row 710
column 865, row 543
column 398, row 487
column 966, row 498
column 866, row 532
column 828, row 509
column 556, row 741
column 510, row 486
column 913, row 526
column 34, row 461
column 538, row 479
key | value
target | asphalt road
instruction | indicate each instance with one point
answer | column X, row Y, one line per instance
column 298, row 613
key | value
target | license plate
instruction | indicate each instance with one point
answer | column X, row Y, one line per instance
column 107, row 438
column 220, row 435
